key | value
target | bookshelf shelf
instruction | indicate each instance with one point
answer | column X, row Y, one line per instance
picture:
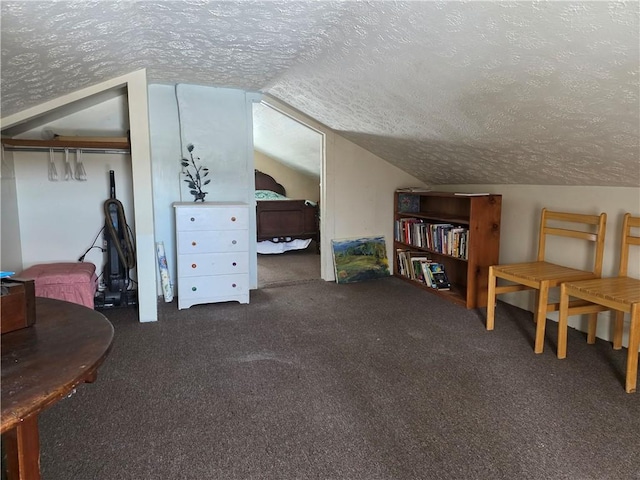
column 460, row 232
column 430, row 252
column 437, row 216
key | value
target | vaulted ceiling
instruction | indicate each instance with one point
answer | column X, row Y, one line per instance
column 451, row 92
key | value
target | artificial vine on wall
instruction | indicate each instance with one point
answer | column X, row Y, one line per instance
column 195, row 175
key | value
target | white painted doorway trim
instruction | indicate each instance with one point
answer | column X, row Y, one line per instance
column 325, row 209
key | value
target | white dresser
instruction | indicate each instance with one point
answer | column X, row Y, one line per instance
column 212, row 243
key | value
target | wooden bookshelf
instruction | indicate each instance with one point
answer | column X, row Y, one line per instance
column 477, row 218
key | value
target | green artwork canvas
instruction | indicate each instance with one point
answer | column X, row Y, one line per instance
column 357, row 260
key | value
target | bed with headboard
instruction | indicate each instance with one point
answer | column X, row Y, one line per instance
column 281, row 220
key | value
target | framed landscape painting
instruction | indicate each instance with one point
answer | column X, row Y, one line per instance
column 359, row 259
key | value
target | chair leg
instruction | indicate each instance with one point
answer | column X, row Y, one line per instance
column 541, row 316
column 536, row 301
column 618, row 324
column 491, row 300
column 591, row 329
column 562, row 322
column 632, row 354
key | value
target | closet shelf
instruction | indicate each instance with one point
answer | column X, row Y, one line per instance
column 66, row 142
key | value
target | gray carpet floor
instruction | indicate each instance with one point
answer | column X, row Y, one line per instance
column 375, row 380
column 289, row 267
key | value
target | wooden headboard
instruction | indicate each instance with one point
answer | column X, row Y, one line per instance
column 267, row 182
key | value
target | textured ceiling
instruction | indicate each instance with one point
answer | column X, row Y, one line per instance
column 451, row 92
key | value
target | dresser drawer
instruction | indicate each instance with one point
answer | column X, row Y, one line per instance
column 212, row 264
column 212, row 218
column 213, row 287
column 213, row 241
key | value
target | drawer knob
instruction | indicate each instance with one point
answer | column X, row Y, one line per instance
column 193, row 289
column 233, row 219
column 234, row 264
column 233, row 242
column 193, row 243
column 193, row 265
column 233, row 285
column 193, row 219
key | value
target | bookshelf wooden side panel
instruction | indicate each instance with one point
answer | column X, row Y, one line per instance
column 484, row 246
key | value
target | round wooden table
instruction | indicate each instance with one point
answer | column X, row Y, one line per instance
column 40, row 365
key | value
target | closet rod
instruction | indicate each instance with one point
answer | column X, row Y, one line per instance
column 62, row 149
column 79, row 143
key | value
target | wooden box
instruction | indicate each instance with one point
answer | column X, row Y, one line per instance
column 18, row 305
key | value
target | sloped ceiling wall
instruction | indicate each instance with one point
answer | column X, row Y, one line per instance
column 294, row 145
column 451, row 92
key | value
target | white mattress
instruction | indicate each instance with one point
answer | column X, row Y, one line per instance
column 269, row 247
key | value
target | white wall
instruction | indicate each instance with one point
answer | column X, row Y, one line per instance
column 135, row 85
column 359, row 185
column 217, row 121
column 60, row 219
column 165, row 157
column 360, row 188
column 10, row 244
column 521, row 205
column 356, row 193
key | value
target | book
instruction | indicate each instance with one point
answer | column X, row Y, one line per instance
column 439, row 277
column 402, row 262
column 418, row 272
column 426, row 272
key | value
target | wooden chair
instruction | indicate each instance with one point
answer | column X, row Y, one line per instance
column 542, row 275
column 620, row 293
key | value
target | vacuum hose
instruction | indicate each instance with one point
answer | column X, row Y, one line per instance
column 127, row 255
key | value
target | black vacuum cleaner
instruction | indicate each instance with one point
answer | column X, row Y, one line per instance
column 121, row 255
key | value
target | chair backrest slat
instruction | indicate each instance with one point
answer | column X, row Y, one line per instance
column 563, row 232
column 599, row 221
column 628, row 239
column 572, row 217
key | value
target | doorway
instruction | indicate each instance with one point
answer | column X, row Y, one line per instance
column 292, row 154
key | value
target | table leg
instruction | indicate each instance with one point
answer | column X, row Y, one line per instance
column 22, row 448
column 92, row 376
